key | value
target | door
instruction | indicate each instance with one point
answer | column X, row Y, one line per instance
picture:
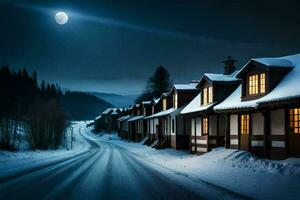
column 244, row 132
column 294, row 132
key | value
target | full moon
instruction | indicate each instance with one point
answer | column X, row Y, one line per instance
column 61, row 18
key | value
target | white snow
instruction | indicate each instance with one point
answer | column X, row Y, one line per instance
column 156, row 100
column 124, row 118
column 286, row 89
column 195, row 106
column 222, row 77
column 162, row 113
column 135, row 118
column 276, row 62
column 106, row 111
column 233, row 101
column 190, row 86
column 234, row 170
column 12, row 162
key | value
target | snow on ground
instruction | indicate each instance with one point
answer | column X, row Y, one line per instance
column 11, row 162
column 231, row 169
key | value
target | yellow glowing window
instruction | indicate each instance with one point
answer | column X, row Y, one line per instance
column 164, row 104
column 204, row 96
column 205, row 126
column 295, row 120
column 175, row 100
column 253, row 84
column 245, row 124
column 262, row 83
column 210, row 94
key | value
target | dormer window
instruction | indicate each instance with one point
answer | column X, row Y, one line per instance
column 145, row 111
column 153, row 109
column 257, row 84
column 175, row 100
column 164, row 104
column 207, row 95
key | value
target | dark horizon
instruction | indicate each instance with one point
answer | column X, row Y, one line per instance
column 114, row 47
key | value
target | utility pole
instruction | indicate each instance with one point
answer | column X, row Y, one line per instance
column 71, row 137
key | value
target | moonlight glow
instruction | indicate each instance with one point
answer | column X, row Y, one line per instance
column 61, row 18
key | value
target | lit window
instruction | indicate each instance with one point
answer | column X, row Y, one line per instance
column 205, row 126
column 204, row 96
column 210, row 94
column 295, row 120
column 153, row 109
column 145, row 111
column 253, row 84
column 262, row 83
column 207, row 95
column 175, row 100
column 257, row 84
column 164, row 104
column 245, row 124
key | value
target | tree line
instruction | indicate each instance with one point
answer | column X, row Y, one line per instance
column 29, row 110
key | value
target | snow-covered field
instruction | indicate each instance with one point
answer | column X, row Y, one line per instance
column 11, row 162
column 234, row 170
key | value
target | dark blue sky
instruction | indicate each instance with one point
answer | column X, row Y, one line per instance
column 115, row 45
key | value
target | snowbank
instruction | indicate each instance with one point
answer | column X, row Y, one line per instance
column 234, row 170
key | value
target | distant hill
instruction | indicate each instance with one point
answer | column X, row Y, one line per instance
column 116, row 99
column 83, row 106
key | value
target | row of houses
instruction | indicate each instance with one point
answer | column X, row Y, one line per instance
column 256, row 108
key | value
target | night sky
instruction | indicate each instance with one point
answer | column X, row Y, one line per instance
column 115, row 45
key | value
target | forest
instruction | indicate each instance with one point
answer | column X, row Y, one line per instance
column 40, row 113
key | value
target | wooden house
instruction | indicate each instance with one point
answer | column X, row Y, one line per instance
column 124, row 124
column 169, row 129
column 263, row 112
column 207, row 128
column 152, row 123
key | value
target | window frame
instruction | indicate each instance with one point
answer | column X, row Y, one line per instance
column 257, row 84
column 207, row 95
column 204, row 125
column 294, row 121
column 245, row 124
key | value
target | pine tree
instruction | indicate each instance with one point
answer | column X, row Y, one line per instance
column 159, row 83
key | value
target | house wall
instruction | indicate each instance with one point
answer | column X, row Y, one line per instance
column 212, row 124
column 277, row 137
column 233, row 131
column 257, row 134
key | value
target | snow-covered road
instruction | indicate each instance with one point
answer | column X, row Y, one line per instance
column 106, row 171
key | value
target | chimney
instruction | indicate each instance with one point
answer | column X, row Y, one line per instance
column 229, row 66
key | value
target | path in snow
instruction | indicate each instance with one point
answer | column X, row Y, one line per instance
column 106, row 171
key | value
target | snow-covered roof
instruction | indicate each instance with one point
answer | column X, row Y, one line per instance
column 135, row 118
column 124, row 118
column 156, row 100
column 99, row 117
column 222, row 77
column 276, row 62
column 161, row 114
column 285, row 90
column 234, row 101
column 106, row 111
column 190, row 86
column 146, row 102
column 195, row 106
column 114, row 112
